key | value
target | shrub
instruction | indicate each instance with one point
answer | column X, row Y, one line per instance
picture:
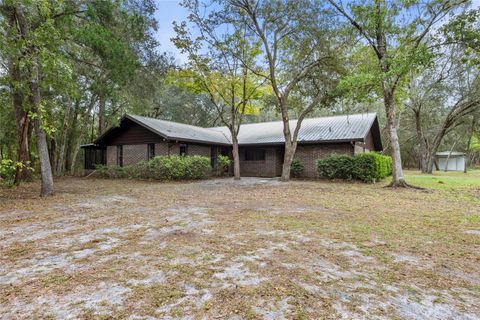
column 224, row 163
column 367, row 167
column 8, row 169
column 336, row 167
column 371, row 167
column 161, row 168
column 297, row 168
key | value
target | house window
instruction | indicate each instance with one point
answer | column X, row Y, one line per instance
column 183, row 150
column 254, row 154
column 120, row 156
column 151, row 151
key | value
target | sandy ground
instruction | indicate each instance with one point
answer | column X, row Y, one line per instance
column 257, row 249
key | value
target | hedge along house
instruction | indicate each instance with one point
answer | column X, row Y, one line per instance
column 261, row 145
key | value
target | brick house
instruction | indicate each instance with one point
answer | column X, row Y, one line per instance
column 261, row 144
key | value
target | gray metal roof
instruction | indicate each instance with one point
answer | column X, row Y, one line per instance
column 325, row 129
column 179, row 131
column 335, row 128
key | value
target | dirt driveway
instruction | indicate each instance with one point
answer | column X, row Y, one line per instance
column 259, row 249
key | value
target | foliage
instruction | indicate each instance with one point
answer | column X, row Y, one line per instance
column 366, row 167
column 297, row 168
column 8, row 169
column 371, row 167
column 161, row 168
column 224, row 163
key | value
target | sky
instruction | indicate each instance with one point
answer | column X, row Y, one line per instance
column 169, row 11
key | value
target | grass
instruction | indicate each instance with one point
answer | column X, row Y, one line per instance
column 442, row 180
column 297, row 250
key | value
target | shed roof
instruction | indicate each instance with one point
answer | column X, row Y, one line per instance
column 344, row 128
column 453, row 154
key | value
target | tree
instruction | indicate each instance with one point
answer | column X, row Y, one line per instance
column 62, row 57
column 30, row 41
column 399, row 45
column 441, row 99
column 444, row 96
column 298, row 52
column 217, row 61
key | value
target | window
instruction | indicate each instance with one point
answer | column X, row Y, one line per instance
column 151, row 151
column 253, row 154
column 120, row 156
column 183, row 149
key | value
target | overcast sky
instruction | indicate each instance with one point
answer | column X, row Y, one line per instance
column 169, row 11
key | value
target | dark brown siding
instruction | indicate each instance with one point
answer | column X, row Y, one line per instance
column 135, row 134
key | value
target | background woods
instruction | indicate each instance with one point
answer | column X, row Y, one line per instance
column 70, row 69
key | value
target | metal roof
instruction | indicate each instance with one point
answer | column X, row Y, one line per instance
column 180, row 131
column 446, row 153
column 325, row 129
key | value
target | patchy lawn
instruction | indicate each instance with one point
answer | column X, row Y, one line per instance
column 259, row 249
column 445, row 180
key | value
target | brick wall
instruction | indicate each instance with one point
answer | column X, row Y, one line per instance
column 111, row 155
column 134, row 153
column 199, row 150
column 310, row 154
column 173, row 148
column 267, row 168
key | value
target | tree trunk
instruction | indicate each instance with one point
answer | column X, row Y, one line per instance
column 287, row 160
column 21, row 115
column 23, row 153
column 41, row 137
column 236, row 158
column 23, row 125
column 448, row 157
column 101, row 113
column 289, row 145
column 469, row 142
column 63, row 141
column 398, row 179
column 52, row 154
column 72, row 138
column 83, row 131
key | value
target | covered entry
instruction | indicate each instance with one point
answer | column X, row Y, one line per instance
column 94, row 155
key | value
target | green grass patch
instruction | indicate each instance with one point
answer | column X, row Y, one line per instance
column 441, row 180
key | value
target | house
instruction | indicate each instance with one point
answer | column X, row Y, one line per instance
column 261, row 145
column 450, row 160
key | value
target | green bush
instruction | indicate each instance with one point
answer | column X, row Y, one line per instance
column 161, row 168
column 336, row 167
column 297, row 168
column 366, row 167
column 8, row 169
column 224, row 163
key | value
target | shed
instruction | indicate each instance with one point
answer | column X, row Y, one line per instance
column 451, row 160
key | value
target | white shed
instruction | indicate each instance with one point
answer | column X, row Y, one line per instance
column 456, row 160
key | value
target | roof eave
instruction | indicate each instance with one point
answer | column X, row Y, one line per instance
column 303, row 142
